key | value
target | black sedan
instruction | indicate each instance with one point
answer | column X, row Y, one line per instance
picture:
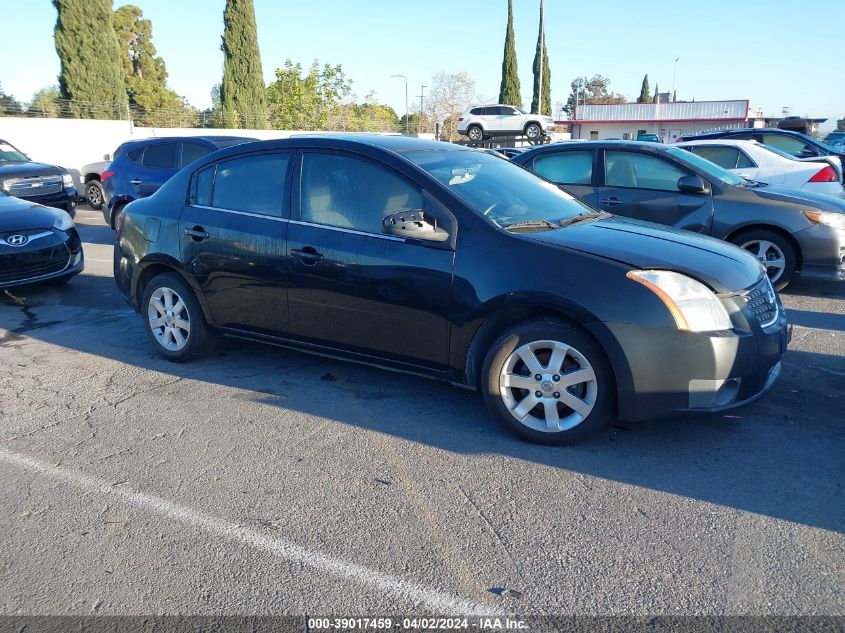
column 450, row 263
column 37, row 244
column 790, row 231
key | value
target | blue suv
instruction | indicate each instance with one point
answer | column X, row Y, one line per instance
column 139, row 168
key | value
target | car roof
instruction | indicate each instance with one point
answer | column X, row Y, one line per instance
column 179, row 139
column 645, row 146
column 719, row 141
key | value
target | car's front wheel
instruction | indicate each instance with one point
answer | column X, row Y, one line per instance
column 533, row 131
column 173, row 319
column 94, row 194
column 548, row 382
column 475, row 133
column 774, row 251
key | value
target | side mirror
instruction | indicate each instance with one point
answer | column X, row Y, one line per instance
column 694, row 184
column 106, row 156
column 414, row 224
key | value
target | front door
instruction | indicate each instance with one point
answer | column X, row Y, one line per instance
column 352, row 286
column 644, row 186
column 233, row 234
column 571, row 170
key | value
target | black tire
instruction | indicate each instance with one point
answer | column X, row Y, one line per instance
column 94, row 194
column 602, row 391
column 199, row 339
column 475, row 133
column 754, row 242
column 533, row 131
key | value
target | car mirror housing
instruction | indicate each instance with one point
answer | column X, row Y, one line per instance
column 694, row 184
column 414, row 224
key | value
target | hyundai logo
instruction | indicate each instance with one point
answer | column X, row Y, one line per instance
column 17, row 240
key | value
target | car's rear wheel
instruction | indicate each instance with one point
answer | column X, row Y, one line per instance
column 548, row 382
column 475, row 133
column 173, row 319
column 94, row 194
column 774, row 251
column 533, row 131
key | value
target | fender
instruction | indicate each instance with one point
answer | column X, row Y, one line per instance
column 162, row 260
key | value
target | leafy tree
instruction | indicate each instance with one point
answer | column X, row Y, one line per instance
column 547, row 74
column 90, row 76
column 674, row 96
column 509, row 92
column 656, row 93
column 242, row 93
column 8, row 105
column 449, row 95
column 644, row 97
column 46, row 103
column 145, row 74
column 300, row 101
column 595, row 89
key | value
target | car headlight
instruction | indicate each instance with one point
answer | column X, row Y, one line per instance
column 835, row 220
column 693, row 305
column 67, row 181
column 62, row 220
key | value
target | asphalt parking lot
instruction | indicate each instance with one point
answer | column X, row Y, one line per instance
column 265, row 481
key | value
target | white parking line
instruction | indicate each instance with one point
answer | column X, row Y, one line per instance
column 418, row 594
column 105, row 261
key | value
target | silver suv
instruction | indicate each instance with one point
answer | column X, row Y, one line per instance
column 498, row 120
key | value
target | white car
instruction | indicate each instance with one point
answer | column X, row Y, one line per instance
column 764, row 163
column 484, row 122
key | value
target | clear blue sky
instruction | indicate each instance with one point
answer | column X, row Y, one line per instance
column 774, row 52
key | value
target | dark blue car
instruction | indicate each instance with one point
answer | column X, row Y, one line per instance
column 139, row 168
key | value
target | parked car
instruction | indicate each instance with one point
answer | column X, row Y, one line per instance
column 763, row 163
column 835, row 138
column 503, row 120
column 44, row 184
column 91, row 176
column 37, row 244
column 648, row 138
column 794, row 143
column 450, row 263
column 139, row 168
column 789, row 231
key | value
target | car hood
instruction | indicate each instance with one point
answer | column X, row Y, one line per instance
column 28, row 170
column 813, row 200
column 722, row 266
column 20, row 215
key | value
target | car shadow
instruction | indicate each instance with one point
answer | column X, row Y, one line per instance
column 780, row 457
column 820, row 320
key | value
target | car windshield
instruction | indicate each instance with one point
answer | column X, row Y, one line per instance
column 711, row 169
column 502, row 192
column 9, row 154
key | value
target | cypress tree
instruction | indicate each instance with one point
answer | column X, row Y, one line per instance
column 91, row 76
column 645, row 96
column 656, row 93
column 242, row 91
column 509, row 92
column 547, row 74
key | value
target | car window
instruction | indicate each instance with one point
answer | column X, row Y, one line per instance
column 201, row 184
column 135, row 155
column 788, row 144
column 566, row 168
column 508, row 111
column 352, row 193
column 491, row 111
column 477, row 111
column 9, row 154
column 255, row 184
column 641, row 171
column 161, row 156
column 193, row 151
column 744, row 161
column 723, row 155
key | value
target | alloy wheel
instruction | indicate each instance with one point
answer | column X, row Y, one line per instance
column 169, row 319
column 770, row 255
column 548, row 386
column 532, row 131
column 475, row 134
column 94, row 195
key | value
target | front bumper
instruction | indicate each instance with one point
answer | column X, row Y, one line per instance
column 676, row 373
column 47, row 257
column 66, row 199
column 822, row 252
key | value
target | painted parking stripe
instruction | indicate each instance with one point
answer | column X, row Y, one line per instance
column 420, row 595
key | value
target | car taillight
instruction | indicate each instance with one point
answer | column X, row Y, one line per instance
column 460, row 118
column 828, row 174
column 106, row 175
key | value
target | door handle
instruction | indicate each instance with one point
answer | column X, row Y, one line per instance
column 308, row 255
column 136, row 182
column 198, row 234
column 610, row 202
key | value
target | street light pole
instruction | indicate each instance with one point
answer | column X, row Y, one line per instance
column 407, row 111
column 674, row 74
column 422, row 94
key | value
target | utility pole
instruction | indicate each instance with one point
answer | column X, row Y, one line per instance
column 674, row 74
column 542, row 50
column 407, row 111
column 422, row 94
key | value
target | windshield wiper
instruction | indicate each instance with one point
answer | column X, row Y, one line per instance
column 586, row 215
column 531, row 225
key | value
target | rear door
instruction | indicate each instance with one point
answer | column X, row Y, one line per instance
column 645, row 186
column 729, row 157
column 571, row 170
column 233, row 234
column 160, row 161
